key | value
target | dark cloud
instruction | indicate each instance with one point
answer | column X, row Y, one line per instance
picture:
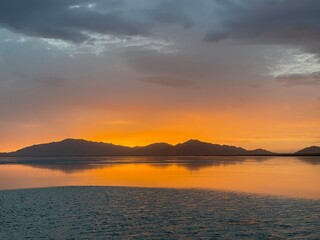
column 268, row 21
column 261, row 21
column 174, row 12
column 74, row 20
column 68, row 20
column 308, row 79
column 169, row 81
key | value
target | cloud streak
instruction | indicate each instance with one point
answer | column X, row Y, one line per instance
column 312, row 79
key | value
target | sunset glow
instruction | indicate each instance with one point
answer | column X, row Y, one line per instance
column 276, row 176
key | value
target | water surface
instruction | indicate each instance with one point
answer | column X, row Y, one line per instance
column 285, row 176
column 153, row 213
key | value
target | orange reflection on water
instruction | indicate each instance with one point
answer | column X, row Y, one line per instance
column 278, row 176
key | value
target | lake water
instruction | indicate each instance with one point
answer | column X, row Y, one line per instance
column 153, row 213
column 284, row 176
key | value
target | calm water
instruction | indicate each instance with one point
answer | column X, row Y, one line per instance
column 153, row 213
column 286, row 176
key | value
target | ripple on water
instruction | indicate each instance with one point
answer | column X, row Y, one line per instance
column 150, row 213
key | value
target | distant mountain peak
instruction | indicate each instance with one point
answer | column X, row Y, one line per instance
column 193, row 141
column 73, row 140
column 313, row 150
column 261, row 151
column 159, row 144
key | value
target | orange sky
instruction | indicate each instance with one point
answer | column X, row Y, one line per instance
column 248, row 127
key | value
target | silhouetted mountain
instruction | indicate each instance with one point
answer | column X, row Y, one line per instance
column 155, row 149
column 261, row 152
column 76, row 147
column 314, row 150
column 195, row 147
column 72, row 147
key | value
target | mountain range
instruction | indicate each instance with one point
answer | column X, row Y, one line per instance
column 79, row 147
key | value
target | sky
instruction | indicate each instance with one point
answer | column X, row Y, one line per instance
column 134, row 72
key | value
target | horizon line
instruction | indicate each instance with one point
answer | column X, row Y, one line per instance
column 160, row 142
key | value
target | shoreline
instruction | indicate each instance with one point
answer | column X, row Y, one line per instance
column 220, row 191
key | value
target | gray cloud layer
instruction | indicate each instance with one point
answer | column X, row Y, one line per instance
column 269, row 21
column 67, row 20
column 74, row 20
